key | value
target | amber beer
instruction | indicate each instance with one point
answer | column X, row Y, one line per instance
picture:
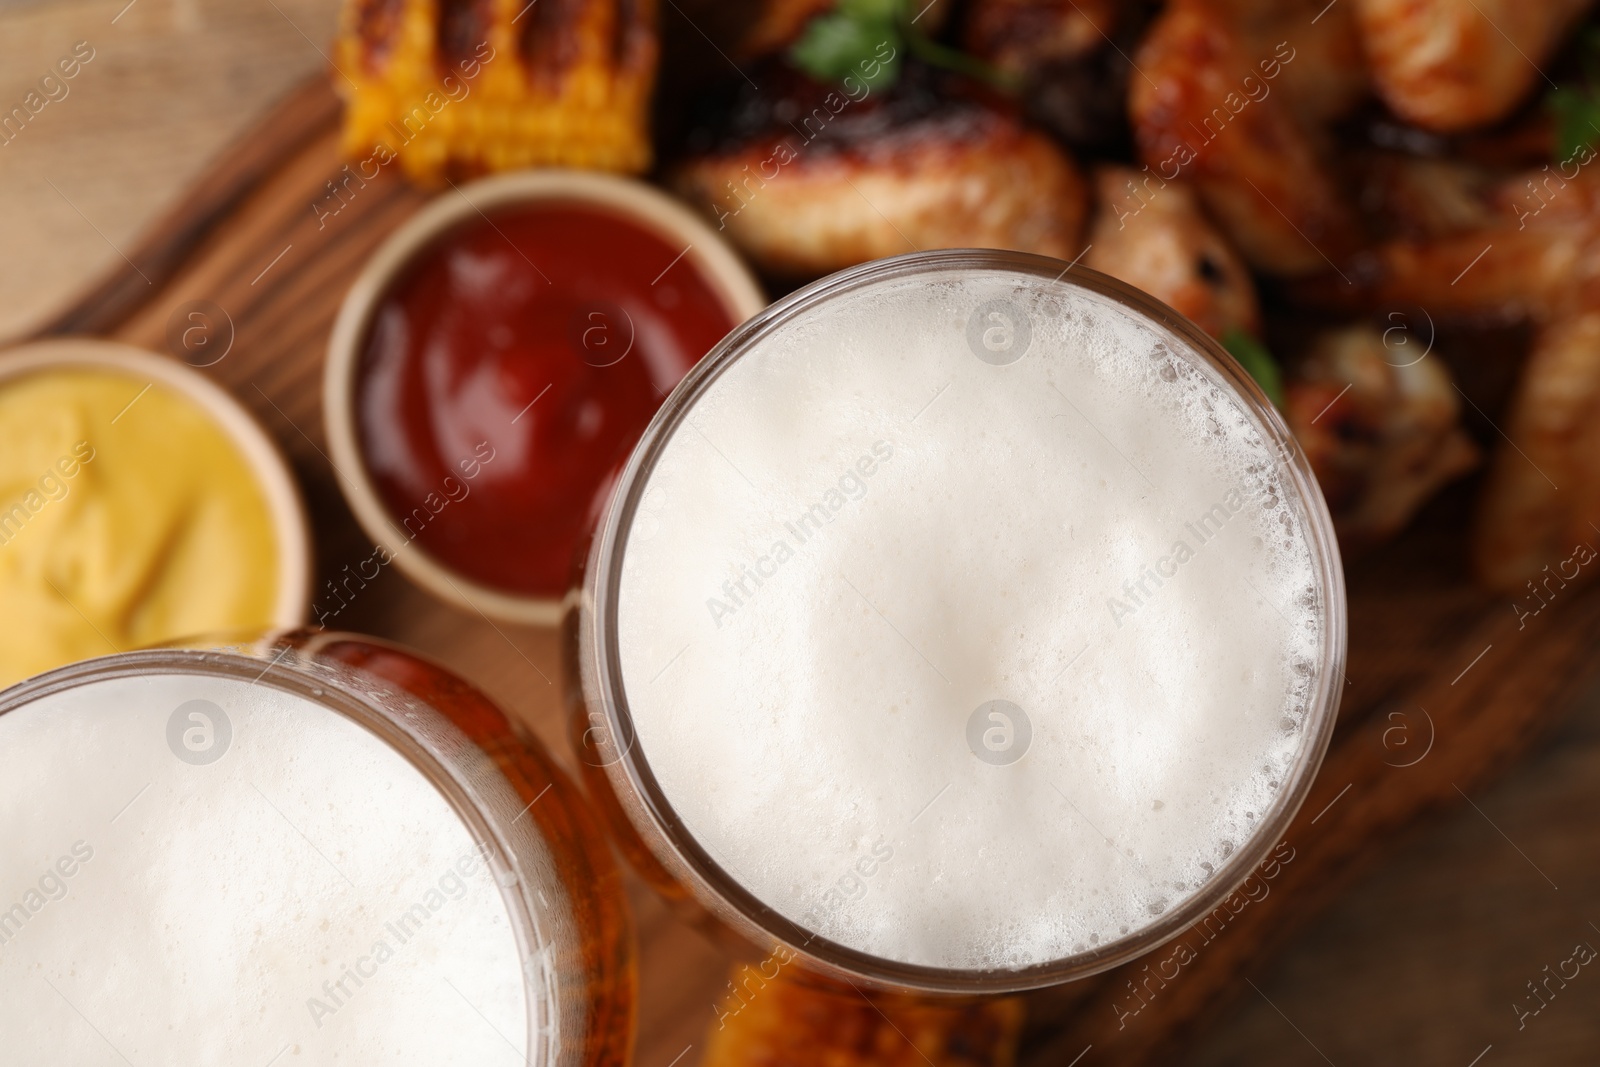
column 317, row 843
column 965, row 622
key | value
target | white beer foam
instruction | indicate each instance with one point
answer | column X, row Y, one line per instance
column 815, row 716
column 208, row 904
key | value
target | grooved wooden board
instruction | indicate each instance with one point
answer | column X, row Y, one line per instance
column 254, row 237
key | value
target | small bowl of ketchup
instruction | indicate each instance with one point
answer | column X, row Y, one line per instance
column 499, row 356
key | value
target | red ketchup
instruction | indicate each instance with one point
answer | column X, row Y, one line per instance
column 510, row 368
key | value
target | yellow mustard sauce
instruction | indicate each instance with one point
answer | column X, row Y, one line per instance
column 128, row 517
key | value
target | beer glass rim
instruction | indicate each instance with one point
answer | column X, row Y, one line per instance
column 710, row 883
column 343, row 695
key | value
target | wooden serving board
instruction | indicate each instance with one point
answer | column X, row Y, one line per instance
column 256, row 238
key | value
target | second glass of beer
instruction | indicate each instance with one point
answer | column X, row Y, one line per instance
column 962, row 623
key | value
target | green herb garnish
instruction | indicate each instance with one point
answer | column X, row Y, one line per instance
column 869, row 39
column 1254, row 357
column 1576, row 109
column 1577, row 115
column 852, row 41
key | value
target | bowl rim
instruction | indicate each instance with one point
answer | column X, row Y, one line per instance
column 290, row 526
column 630, row 199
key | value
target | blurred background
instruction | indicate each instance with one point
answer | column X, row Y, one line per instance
column 1421, row 963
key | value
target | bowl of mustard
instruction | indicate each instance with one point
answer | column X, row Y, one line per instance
column 139, row 503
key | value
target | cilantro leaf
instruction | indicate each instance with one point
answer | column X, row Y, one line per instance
column 874, row 10
column 851, row 40
column 1254, row 357
column 1576, row 109
column 1577, row 115
column 845, row 44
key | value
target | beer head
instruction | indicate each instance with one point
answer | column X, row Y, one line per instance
column 973, row 623
column 220, row 857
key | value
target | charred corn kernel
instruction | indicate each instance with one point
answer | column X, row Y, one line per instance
column 469, row 86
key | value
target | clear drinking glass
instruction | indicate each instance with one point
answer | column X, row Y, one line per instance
column 618, row 767
column 528, row 841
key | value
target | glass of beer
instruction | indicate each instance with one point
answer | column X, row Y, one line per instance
column 301, row 849
column 965, row 622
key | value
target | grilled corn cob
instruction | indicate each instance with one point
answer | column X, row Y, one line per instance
column 470, row 86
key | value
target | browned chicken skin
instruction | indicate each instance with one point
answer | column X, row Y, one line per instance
column 1542, row 500
column 1020, row 36
column 1067, row 61
column 1455, row 64
column 1379, row 419
column 846, row 181
column 1538, row 259
column 1156, row 237
column 1231, row 95
column 1544, row 263
column 1423, row 197
column 1328, row 76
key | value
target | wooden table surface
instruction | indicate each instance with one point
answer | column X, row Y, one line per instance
column 1420, row 964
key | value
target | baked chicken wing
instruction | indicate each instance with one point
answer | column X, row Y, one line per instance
column 1155, row 236
column 1379, row 419
column 1020, row 37
column 1232, row 96
column 1454, row 64
column 825, row 180
column 1537, row 260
